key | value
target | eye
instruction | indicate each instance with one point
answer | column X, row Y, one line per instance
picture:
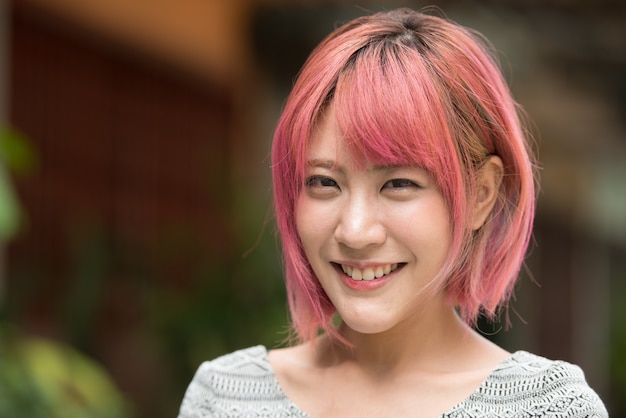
column 321, row 187
column 400, row 184
column 320, row 181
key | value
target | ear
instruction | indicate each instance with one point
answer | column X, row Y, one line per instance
column 487, row 190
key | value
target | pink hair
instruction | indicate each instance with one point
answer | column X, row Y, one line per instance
column 412, row 89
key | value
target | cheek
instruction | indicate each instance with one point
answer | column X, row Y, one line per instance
column 441, row 234
column 425, row 226
column 305, row 222
column 301, row 223
column 314, row 222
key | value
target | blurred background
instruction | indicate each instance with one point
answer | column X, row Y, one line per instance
column 136, row 235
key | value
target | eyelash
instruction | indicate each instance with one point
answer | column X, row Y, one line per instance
column 322, row 181
column 318, row 181
column 401, row 183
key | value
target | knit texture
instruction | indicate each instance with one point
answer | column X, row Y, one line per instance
column 243, row 384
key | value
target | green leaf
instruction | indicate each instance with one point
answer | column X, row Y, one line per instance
column 16, row 152
column 9, row 208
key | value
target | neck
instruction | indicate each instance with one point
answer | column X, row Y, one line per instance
column 428, row 341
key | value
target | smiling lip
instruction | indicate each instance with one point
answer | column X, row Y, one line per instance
column 367, row 278
column 368, row 273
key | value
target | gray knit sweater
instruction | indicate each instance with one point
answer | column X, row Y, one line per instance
column 242, row 384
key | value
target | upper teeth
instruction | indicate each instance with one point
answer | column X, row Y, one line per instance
column 369, row 273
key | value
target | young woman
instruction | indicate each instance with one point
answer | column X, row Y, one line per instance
column 404, row 197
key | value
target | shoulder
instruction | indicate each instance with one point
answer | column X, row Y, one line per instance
column 238, row 383
column 539, row 386
column 243, row 363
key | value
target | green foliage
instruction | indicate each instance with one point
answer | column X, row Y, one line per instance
column 9, row 208
column 17, row 155
column 40, row 378
column 16, row 151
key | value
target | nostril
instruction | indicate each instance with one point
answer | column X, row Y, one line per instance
column 361, row 238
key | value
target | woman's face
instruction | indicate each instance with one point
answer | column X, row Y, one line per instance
column 374, row 237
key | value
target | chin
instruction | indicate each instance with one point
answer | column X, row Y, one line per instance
column 367, row 327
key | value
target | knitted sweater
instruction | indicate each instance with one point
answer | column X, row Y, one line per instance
column 243, row 384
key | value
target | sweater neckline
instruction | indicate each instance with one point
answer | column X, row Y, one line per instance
column 513, row 358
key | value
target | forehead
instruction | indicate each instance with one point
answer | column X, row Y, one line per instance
column 328, row 150
column 326, row 138
column 327, row 147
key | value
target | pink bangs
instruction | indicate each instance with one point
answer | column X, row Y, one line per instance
column 390, row 113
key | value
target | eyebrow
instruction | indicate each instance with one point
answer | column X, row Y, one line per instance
column 332, row 165
column 320, row 163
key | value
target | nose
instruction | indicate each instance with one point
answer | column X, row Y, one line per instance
column 360, row 225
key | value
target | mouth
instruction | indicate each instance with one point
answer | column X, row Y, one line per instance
column 368, row 273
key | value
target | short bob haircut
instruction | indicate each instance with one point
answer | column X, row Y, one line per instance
column 410, row 88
